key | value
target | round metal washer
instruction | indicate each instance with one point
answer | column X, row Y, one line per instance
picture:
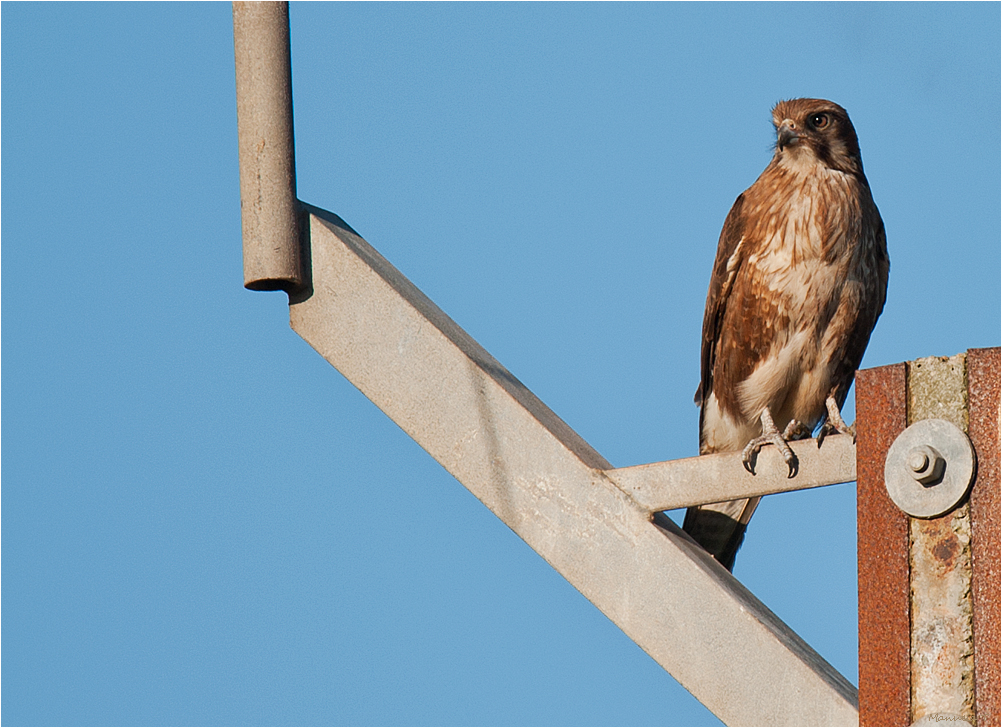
column 943, row 494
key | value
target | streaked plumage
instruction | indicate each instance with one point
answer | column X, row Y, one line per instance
column 799, row 280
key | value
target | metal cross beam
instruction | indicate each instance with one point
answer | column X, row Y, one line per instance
column 591, row 522
column 722, row 477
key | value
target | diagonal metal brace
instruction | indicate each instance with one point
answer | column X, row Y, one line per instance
column 591, row 522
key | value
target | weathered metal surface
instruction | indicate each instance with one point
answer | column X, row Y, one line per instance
column 929, row 468
column 548, row 485
column 942, row 649
column 983, row 408
column 882, row 533
column 268, row 206
column 721, row 477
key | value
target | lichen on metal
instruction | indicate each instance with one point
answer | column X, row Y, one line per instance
column 942, row 648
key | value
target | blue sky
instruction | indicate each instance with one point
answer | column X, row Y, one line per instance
column 204, row 523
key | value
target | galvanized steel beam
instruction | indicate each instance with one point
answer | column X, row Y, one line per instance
column 592, row 523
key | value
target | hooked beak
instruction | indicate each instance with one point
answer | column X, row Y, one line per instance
column 787, row 134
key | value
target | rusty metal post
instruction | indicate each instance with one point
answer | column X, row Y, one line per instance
column 983, row 404
column 882, row 553
column 273, row 259
column 928, row 586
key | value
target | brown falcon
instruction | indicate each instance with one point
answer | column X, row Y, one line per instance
column 799, row 280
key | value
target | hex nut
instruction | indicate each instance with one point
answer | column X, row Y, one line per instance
column 927, row 465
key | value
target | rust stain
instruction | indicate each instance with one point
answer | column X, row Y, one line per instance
column 942, row 672
column 983, row 373
column 946, row 550
column 882, row 534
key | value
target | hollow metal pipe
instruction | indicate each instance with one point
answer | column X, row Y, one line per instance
column 273, row 257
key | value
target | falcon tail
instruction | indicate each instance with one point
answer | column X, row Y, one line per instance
column 720, row 527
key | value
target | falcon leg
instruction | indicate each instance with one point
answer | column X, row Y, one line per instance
column 834, row 423
column 772, row 436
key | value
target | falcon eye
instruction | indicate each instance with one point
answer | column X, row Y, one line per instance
column 819, row 121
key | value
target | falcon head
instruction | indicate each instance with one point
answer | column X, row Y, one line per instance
column 815, row 131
